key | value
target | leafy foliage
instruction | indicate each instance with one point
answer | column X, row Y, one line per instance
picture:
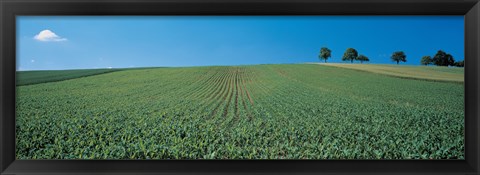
column 350, row 55
column 426, row 60
column 325, row 53
column 362, row 58
column 245, row 112
column 460, row 63
column 443, row 59
column 399, row 56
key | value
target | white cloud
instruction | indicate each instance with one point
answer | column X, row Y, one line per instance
column 33, row 61
column 47, row 35
column 109, row 67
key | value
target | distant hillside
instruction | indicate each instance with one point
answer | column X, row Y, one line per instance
column 36, row 77
column 433, row 73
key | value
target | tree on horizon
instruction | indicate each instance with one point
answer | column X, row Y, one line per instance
column 443, row 59
column 325, row 53
column 460, row 63
column 350, row 55
column 426, row 60
column 362, row 58
column 399, row 56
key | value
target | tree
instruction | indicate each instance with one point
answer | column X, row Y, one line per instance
column 443, row 59
column 350, row 55
column 399, row 56
column 362, row 58
column 426, row 60
column 460, row 63
column 325, row 53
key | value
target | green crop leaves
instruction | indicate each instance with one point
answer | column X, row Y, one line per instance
column 246, row 112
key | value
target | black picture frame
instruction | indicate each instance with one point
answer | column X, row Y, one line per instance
column 9, row 9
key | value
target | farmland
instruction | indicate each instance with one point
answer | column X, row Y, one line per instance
column 432, row 73
column 291, row 111
column 36, row 77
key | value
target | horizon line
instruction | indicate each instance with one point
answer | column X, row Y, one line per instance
column 100, row 68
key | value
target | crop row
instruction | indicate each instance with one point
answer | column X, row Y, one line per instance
column 243, row 112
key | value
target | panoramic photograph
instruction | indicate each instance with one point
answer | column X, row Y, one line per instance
column 240, row 87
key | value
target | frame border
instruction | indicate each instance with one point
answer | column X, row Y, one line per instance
column 9, row 9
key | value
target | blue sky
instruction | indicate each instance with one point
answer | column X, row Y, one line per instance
column 54, row 42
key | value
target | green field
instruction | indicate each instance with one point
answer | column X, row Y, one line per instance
column 299, row 111
column 45, row 76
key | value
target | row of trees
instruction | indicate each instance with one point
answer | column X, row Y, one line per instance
column 440, row 59
column 350, row 55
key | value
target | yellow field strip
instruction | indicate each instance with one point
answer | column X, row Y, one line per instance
column 413, row 72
